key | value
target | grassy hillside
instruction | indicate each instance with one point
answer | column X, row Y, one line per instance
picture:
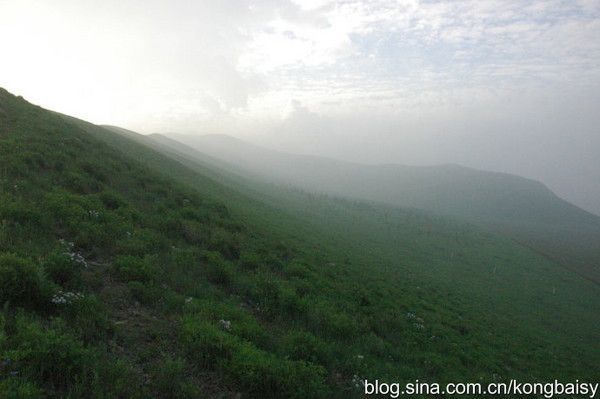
column 127, row 272
column 524, row 209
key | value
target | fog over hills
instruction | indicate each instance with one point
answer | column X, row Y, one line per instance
column 451, row 188
column 524, row 208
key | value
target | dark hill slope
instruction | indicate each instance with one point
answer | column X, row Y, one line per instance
column 525, row 209
column 118, row 263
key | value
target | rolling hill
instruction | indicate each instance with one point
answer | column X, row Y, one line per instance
column 525, row 209
column 131, row 269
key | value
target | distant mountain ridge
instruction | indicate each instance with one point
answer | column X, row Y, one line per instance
column 448, row 189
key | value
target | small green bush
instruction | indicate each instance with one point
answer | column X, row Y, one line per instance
column 79, row 183
column 264, row 375
column 205, row 343
column 21, row 283
column 243, row 324
column 225, row 242
column 268, row 293
column 185, row 260
column 193, row 232
column 132, row 268
column 111, row 200
column 296, row 269
column 250, row 261
column 325, row 320
column 140, row 242
column 63, row 271
column 48, row 355
column 113, row 378
column 258, row 373
column 88, row 318
column 302, row 345
column 67, row 210
column 19, row 213
column 169, row 380
column 17, row 388
column 218, row 270
column 146, row 293
column 291, row 304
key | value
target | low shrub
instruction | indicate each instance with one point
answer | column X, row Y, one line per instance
column 113, row 378
column 205, row 343
column 140, row 242
column 63, row 270
column 258, row 373
column 146, row 293
column 264, row 375
column 19, row 213
column 250, row 261
column 17, row 388
column 47, row 355
column 22, row 284
column 132, row 268
column 217, row 270
column 185, row 260
column 296, row 269
column 111, row 200
column 193, row 232
column 169, row 380
column 87, row 317
column 325, row 320
column 302, row 345
column 225, row 242
column 243, row 324
column 291, row 304
column 49, row 361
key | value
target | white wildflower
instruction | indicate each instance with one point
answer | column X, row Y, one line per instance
column 357, row 381
column 77, row 258
column 93, row 213
column 66, row 297
column 225, row 324
column 67, row 244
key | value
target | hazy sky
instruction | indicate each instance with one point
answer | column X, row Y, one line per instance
column 504, row 85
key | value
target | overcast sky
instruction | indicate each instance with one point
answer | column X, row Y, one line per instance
column 502, row 85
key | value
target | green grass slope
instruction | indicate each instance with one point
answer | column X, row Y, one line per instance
column 525, row 209
column 365, row 231
column 126, row 272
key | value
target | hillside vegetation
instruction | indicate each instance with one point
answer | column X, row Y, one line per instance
column 130, row 271
column 523, row 209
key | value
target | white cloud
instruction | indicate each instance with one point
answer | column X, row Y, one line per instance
column 222, row 57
